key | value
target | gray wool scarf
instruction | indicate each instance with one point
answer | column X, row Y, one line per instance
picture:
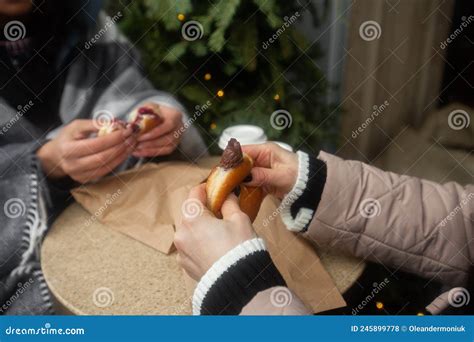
column 104, row 76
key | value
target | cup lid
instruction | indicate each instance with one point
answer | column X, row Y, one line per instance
column 283, row 145
column 245, row 134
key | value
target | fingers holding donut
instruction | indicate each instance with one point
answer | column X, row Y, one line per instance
column 232, row 170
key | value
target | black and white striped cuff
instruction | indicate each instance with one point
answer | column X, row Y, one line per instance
column 298, row 207
column 235, row 279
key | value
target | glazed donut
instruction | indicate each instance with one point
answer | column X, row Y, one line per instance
column 145, row 118
column 250, row 200
column 142, row 119
column 232, row 170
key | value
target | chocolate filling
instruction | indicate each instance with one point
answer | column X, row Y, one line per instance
column 232, row 155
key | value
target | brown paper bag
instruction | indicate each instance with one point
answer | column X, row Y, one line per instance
column 144, row 204
column 297, row 261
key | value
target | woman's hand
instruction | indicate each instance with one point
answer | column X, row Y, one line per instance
column 203, row 240
column 72, row 153
column 275, row 169
column 161, row 140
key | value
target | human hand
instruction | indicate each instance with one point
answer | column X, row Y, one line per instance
column 161, row 140
column 203, row 240
column 275, row 169
column 72, row 153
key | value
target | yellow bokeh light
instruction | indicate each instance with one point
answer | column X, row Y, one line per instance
column 379, row 305
column 207, row 76
column 213, row 126
column 181, row 17
column 220, row 93
column 276, row 97
column 420, row 314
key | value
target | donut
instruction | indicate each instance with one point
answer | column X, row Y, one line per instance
column 142, row 119
column 111, row 126
column 250, row 200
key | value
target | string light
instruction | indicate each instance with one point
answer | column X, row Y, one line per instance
column 276, row 97
column 213, row 126
column 181, row 17
column 220, row 93
column 207, row 76
column 379, row 305
column 420, row 314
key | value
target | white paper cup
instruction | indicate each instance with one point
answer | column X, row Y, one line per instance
column 245, row 134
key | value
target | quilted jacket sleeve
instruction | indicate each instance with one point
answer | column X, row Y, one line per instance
column 403, row 222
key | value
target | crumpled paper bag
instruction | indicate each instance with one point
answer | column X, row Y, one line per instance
column 135, row 202
column 150, row 204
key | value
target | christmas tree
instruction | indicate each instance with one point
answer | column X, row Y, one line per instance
column 245, row 59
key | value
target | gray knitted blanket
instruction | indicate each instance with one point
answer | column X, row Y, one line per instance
column 105, row 75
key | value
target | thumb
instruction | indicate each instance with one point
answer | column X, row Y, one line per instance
column 195, row 205
column 198, row 193
column 230, row 207
column 79, row 129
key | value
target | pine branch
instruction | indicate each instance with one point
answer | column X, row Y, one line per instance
column 166, row 11
column 222, row 13
column 243, row 43
column 269, row 8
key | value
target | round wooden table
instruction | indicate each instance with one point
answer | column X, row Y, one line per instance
column 94, row 270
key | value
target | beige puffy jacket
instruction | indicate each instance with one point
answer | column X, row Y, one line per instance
column 402, row 222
